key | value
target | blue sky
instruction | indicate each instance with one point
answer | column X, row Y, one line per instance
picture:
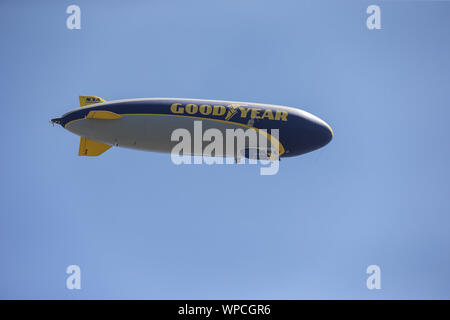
column 141, row 227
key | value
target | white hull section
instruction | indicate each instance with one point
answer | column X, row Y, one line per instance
column 150, row 132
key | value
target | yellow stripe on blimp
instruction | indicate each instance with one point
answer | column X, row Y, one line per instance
column 102, row 114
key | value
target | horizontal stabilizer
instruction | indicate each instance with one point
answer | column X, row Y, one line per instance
column 91, row 148
column 88, row 100
column 101, row 114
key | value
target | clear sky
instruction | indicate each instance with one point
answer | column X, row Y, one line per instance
column 140, row 227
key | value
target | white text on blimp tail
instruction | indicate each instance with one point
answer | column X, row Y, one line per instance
column 74, row 280
column 256, row 146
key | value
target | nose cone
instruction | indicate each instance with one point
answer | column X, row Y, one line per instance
column 318, row 134
column 324, row 134
column 311, row 133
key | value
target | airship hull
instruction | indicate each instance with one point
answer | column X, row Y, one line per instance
column 148, row 124
column 148, row 132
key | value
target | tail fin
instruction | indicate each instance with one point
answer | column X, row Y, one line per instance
column 91, row 148
column 88, row 100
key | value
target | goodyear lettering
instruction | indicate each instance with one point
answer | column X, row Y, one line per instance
column 205, row 109
column 281, row 115
column 229, row 112
column 267, row 114
column 191, row 108
column 244, row 112
column 254, row 113
column 219, row 110
column 175, row 108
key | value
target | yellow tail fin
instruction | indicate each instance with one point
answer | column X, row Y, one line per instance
column 91, row 148
column 88, row 100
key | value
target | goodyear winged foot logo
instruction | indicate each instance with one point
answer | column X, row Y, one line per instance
column 232, row 110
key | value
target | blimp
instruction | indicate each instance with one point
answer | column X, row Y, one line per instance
column 148, row 124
